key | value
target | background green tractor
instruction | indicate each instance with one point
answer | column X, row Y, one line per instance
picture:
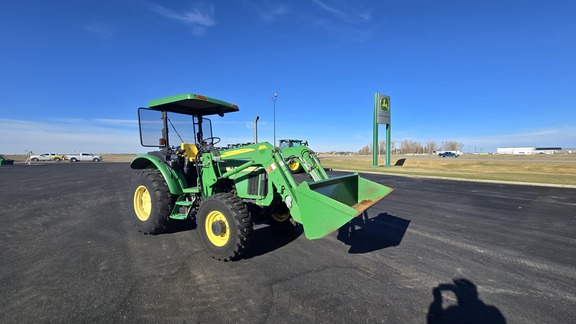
column 290, row 149
column 226, row 190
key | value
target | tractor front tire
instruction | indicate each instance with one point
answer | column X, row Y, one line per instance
column 153, row 202
column 281, row 220
column 225, row 226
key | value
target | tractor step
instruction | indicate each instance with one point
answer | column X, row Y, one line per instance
column 184, row 203
column 179, row 206
column 191, row 190
column 179, row 216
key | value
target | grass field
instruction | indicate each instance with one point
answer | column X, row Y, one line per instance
column 549, row 169
column 557, row 169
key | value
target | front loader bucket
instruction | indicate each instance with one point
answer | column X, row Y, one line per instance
column 326, row 205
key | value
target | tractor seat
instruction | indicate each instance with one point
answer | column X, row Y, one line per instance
column 189, row 150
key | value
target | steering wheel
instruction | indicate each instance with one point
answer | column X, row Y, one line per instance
column 214, row 140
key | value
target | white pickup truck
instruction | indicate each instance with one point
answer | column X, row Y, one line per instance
column 84, row 157
column 46, row 157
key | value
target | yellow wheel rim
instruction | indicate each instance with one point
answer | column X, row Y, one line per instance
column 280, row 217
column 222, row 238
column 142, row 203
column 294, row 166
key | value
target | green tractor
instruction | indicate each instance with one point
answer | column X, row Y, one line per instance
column 291, row 149
column 226, row 190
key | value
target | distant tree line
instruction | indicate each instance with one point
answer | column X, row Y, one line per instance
column 412, row 147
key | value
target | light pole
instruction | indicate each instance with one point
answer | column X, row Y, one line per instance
column 274, row 103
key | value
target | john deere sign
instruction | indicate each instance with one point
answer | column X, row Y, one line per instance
column 381, row 116
column 383, row 103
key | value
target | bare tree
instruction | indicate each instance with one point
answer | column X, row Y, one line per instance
column 366, row 150
column 431, row 146
column 409, row 146
column 414, row 147
column 382, row 147
column 452, row 146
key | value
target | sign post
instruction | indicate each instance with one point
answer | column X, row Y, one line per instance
column 381, row 116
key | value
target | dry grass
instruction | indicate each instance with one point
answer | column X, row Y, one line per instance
column 118, row 157
column 559, row 169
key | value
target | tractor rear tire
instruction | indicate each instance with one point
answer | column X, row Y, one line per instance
column 153, row 202
column 225, row 226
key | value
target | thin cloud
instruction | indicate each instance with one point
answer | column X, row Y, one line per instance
column 347, row 32
column 200, row 18
column 366, row 15
column 348, row 14
column 63, row 135
column 344, row 20
column 101, row 30
column 18, row 136
column 338, row 13
column 269, row 12
column 118, row 122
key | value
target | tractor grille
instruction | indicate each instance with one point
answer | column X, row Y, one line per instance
column 258, row 184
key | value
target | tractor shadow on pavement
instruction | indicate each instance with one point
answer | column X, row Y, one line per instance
column 177, row 226
column 364, row 234
column 269, row 240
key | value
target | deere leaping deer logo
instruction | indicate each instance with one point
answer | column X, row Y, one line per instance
column 384, row 104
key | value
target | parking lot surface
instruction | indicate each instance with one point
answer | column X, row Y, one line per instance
column 432, row 251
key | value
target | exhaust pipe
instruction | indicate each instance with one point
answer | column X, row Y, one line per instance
column 256, row 129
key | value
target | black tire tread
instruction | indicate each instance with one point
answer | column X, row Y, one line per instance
column 242, row 222
column 162, row 201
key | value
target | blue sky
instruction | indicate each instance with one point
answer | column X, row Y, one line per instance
column 485, row 73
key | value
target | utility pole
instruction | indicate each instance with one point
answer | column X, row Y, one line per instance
column 274, row 103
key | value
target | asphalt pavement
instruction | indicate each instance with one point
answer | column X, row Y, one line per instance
column 433, row 251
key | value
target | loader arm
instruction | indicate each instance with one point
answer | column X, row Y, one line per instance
column 321, row 206
column 308, row 159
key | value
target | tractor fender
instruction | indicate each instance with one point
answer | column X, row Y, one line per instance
column 174, row 178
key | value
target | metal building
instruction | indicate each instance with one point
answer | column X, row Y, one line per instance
column 515, row 150
column 528, row 150
column 547, row 150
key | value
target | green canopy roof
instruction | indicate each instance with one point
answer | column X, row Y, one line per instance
column 193, row 104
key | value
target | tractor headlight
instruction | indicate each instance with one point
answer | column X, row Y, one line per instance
column 288, row 201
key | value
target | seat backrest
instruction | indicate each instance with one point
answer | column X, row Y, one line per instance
column 190, row 151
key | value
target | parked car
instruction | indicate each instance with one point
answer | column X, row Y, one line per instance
column 449, row 154
column 47, row 157
column 84, row 157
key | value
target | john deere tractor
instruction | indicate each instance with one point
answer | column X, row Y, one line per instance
column 226, row 190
